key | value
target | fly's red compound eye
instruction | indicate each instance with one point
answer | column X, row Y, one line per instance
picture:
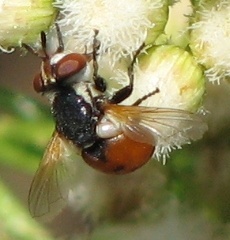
column 69, row 65
column 38, row 83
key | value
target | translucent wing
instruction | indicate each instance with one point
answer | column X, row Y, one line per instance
column 53, row 179
column 163, row 127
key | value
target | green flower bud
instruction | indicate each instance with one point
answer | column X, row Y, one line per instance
column 22, row 21
column 159, row 17
column 175, row 73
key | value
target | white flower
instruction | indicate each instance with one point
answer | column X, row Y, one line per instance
column 123, row 25
column 210, row 38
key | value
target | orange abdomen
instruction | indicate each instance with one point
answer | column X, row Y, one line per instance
column 118, row 155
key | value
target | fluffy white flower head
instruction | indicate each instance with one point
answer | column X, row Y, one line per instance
column 210, row 40
column 122, row 25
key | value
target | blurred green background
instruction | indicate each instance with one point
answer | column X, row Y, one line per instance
column 188, row 198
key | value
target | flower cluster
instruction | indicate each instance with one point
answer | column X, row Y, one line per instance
column 121, row 27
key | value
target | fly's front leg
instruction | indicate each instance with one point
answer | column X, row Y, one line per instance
column 125, row 92
column 60, row 40
column 99, row 82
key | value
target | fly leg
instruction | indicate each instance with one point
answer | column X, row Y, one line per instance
column 126, row 91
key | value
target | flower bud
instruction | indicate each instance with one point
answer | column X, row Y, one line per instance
column 22, row 21
column 175, row 73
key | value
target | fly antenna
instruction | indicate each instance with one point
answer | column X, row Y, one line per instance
column 30, row 49
column 44, row 45
column 44, row 54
